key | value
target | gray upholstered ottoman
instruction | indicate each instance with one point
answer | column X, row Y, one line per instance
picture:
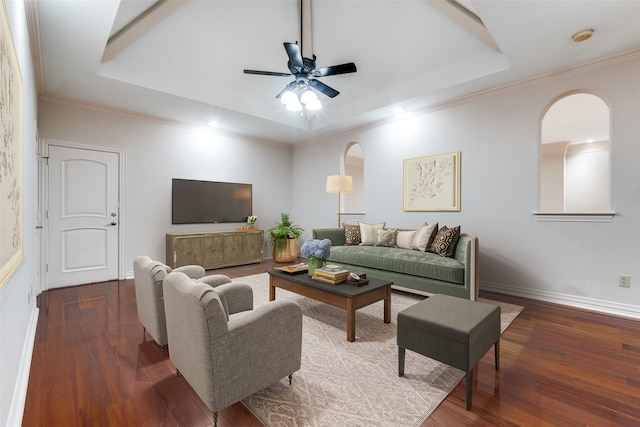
column 451, row 330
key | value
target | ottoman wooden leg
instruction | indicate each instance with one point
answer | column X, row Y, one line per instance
column 469, row 388
column 497, row 348
column 401, row 351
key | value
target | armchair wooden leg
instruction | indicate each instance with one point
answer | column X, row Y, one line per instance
column 290, row 378
column 215, row 419
column 177, row 372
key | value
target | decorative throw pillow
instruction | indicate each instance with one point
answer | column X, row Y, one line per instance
column 445, row 241
column 387, row 237
column 369, row 233
column 424, row 236
column 352, row 234
column 404, row 239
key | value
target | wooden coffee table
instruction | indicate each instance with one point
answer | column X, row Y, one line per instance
column 347, row 297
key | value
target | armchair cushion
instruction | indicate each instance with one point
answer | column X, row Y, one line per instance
column 214, row 280
column 237, row 297
column 193, row 271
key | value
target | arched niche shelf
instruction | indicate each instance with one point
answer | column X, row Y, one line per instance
column 575, row 183
column 354, row 166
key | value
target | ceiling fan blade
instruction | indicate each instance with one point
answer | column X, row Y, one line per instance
column 349, row 67
column 266, row 73
column 290, row 86
column 295, row 57
column 323, row 88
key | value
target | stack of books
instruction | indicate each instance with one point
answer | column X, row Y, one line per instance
column 330, row 275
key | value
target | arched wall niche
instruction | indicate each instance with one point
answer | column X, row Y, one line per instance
column 354, row 166
column 575, row 158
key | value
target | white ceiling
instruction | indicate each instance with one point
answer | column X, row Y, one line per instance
column 187, row 65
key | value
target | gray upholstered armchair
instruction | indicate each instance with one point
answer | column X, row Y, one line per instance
column 148, row 276
column 225, row 350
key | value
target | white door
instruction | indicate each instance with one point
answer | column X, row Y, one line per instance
column 83, row 216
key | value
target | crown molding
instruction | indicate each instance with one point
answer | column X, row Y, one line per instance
column 33, row 27
column 148, row 117
column 483, row 94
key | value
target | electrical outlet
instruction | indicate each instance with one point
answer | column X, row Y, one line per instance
column 624, row 281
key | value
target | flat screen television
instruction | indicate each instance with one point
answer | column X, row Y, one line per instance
column 199, row 202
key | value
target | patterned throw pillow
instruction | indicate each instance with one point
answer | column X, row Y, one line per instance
column 387, row 238
column 444, row 244
column 352, row 234
column 369, row 233
column 404, row 239
column 424, row 237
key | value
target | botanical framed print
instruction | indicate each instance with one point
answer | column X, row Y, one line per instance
column 11, row 209
column 432, row 183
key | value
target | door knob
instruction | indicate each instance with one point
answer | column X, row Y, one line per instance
column 114, row 223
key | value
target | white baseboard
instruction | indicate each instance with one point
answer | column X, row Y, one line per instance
column 16, row 410
column 608, row 307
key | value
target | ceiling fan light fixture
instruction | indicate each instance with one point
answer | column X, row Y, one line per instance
column 294, row 106
column 303, row 69
column 313, row 105
column 289, row 97
column 308, row 97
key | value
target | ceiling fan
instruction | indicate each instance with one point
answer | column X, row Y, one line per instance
column 305, row 71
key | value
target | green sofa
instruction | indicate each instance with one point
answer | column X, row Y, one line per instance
column 413, row 271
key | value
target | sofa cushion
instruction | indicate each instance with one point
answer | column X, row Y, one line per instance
column 352, row 234
column 387, row 237
column 404, row 239
column 406, row 261
column 445, row 241
column 369, row 233
column 424, row 236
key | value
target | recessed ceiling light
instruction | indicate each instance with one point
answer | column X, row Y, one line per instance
column 398, row 110
column 213, row 124
column 582, row 35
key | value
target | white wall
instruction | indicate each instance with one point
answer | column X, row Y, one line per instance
column 499, row 136
column 156, row 152
column 552, row 177
column 587, row 178
column 18, row 312
column 354, row 202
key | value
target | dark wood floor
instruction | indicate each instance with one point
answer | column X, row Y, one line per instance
column 559, row 367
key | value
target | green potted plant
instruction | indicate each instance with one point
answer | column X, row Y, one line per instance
column 284, row 237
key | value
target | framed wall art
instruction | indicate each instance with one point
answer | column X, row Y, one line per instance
column 432, row 183
column 11, row 198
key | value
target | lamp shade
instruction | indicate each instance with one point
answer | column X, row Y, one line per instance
column 308, row 97
column 294, row 106
column 339, row 184
column 288, row 97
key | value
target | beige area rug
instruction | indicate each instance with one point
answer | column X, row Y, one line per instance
column 351, row 384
